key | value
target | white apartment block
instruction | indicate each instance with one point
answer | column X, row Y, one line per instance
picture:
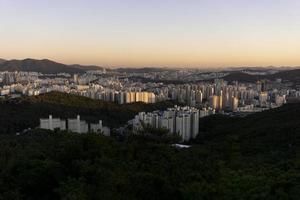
column 99, row 127
column 52, row 123
column 74, row 125
column 77, row 125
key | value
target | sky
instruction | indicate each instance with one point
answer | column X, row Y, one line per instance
column 153, row 33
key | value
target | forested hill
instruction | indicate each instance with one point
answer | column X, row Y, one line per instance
column 271, row 136
column 21, row 113
column 286, row 76
column 256, row 157
column 43, row 66
column 242, row 77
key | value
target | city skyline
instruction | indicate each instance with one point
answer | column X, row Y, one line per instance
column 153, row 34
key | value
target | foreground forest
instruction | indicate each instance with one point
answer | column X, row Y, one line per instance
column 255, row 157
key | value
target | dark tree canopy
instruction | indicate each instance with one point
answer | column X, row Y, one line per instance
column 255, row 157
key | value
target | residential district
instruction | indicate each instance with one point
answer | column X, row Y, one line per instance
column 202, row 95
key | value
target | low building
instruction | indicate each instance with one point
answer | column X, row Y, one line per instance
column 100, row 128
column 74, row 125
column 77, row 125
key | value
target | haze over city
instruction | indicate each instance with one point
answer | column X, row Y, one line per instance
column 140, row 33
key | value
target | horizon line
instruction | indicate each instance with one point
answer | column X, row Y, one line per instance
column 154, row 66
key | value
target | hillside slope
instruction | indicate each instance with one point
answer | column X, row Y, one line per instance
column 2, row 60
column 242, row 77
column 268, row 136
column 289, row 75
column 19, row 114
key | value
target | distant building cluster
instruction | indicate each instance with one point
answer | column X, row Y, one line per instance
column 121, row 97
column 183, row 121
column 221, row 96
column 31, row 84
column 73, row 125
column 209, row 97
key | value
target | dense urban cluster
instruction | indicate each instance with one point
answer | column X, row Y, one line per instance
column 178, row 120
column 119, row 87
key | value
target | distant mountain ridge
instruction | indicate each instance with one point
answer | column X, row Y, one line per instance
column 2, row 60
column 43, row 66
